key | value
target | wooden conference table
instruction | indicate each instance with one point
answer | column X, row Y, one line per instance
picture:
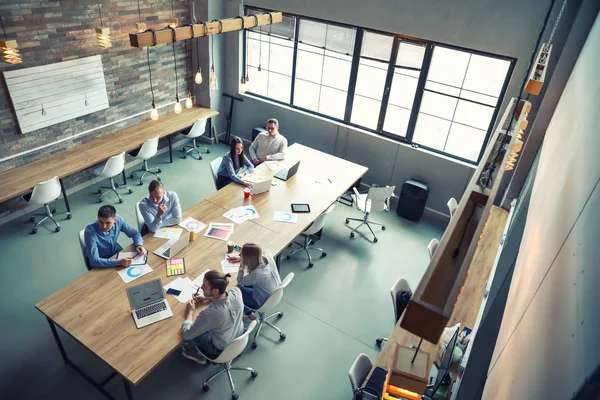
column 17, row 181
column 94, row 309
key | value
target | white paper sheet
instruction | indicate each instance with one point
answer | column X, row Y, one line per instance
column 137, row 259
column 186, row 287
column 134, row 272
column 285, row 216
column 168, row 233
column 192, row 225
column 229, row 267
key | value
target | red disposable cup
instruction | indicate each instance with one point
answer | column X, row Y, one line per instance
column 247, row 193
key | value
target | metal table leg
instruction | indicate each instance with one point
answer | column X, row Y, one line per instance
column 170, row 150
column 124, row 177
column 127, row 389
column 64, row 193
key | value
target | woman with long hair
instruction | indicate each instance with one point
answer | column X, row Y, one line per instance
column 234, row 162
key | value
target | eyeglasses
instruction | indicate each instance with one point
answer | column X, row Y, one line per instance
column 270, row 129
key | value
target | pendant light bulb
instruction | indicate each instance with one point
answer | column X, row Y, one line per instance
column 242, row 84
column 188, row 101
column 247, row 83
column 177, row 108
column 198, row 77
column 214, row 85
column 154, row 112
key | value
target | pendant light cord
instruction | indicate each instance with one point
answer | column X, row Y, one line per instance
column 139, row 12
column 149, row 69
column 100, row 11
column 2, row 23
column 175, row 63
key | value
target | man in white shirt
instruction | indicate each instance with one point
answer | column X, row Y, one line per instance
column 268, row 146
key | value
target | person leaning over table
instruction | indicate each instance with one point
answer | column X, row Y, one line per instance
column 261, row 279
column 101, row 239
column 268, row 146
column 218, row 325
column 232, row 163
column 160, row 208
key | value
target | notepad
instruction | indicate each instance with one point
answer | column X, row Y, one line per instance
column 175, row 267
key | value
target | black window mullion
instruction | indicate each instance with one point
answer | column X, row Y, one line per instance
column 295, row 57
column 353, row 74
column 412, row 122
column 388, row 84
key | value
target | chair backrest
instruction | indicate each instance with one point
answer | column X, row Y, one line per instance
column 379, row 197
column 401, row 285
column 198, row 129
column 319, row 222
column 452, row 206
column 359, row 370
column 149, row 149
column 432, row 247
column 277, row 295
column 45, row 192
column 214, row 168
column 83, row 249
column 236, row 347
column 114, row 166
column 139, row 218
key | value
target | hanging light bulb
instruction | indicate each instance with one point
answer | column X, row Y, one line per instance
column 198, row 77
column 243, row 84
column 154, row 112
column 188, row 101
column 173, row 22
column 214, row 85
column 140, row 27
column 103, row 35
column 247, row 82
column 10, row 51
column 177, row 108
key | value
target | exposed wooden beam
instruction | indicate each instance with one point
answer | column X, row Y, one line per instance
column 165, row 35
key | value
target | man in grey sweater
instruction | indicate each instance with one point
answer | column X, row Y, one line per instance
column 268, row 146
column 218, row 325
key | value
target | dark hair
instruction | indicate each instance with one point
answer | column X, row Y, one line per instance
column 154, row 185
column 273, row 121
column 234, row 141
column 107, row 212
column 217, row 280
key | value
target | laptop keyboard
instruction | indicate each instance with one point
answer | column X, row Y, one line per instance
column 152, row 309
column 166, row 252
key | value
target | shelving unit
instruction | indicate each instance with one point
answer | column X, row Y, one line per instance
column 538, row 72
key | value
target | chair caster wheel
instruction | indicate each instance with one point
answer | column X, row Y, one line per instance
column 130, row 191
column 205, row 387
column 347, row 221
column 282, row 337
column 57, row 229
column 99, row 191
column 120, row 200
column 375, row 240
column 100, row 200
column 116, row 185
column 323, row 255
column 288, row 257
column 235, row 396
column 310, row 265
column 254, row 374
column 383, row 228
column 207, row 151
column 352, row 235
column 131, row 176
column 141, row 184
column 184, row 157
column 53, row 211
column 33, row 231
column 69, row 216
column 280, row 314
column 254, row 344
column 32, row 219
column 159, row 171
column 379, row 341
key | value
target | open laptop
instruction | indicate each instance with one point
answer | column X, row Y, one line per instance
column 170, row 248
column 261, row 187
column 287, row 173
column 148, row 304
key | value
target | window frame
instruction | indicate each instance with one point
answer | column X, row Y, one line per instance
column 419, row 91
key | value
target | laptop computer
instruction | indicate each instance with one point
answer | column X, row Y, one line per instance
column 170, row 248
column 287, row 173
column 261, row 187
column 148, row 303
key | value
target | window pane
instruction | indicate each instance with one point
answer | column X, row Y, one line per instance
column 480, row 98
column 431, row 131
column 403, row 90
column 438, row 87
column 258, row 81
column 486, row 75
column 371, row 79
column 280, row 87
column 465, row 142
column 286, row 28
column 396, row 120
column 474, row 115
column 448, row 66
column 340, row 39
column 365, row 112
column 410, row 55
column 306, row 95
column 257, row 48
column 332, row 102
column 309, row 66
column 312, row 32
column 377, row 46
column 438, row 105
column 281, row 59
column 336, row 72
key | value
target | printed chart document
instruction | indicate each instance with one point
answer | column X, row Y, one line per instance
column 134, row 272
column 197, row 283
column 285, row 216
column 168, row 233
column 192, row 224
column 219, row 230
column 242, row 214
column 229, row 267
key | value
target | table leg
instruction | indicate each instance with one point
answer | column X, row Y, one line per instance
column 63, row 353
column 64, row 193
column 124, row 177
column 170, row 151
column 127, row 389
column 278, row 261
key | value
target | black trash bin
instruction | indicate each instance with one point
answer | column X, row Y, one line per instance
column 256, row 131
column 413, row 198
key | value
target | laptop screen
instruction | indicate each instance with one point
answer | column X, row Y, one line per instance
column 145, row 294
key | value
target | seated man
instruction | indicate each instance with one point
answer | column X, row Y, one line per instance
column 217, row 326
column 101, row 239
column 269, row 146
column 160, row 208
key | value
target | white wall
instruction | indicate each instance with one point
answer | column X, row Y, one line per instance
column 548, row 341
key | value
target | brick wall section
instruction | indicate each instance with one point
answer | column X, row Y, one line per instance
column 53, row 31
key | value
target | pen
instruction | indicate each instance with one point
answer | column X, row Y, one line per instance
column 329, row 180
column 197, row 290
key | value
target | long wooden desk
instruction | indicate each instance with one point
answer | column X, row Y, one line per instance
column 17, row 181
column 94, row 309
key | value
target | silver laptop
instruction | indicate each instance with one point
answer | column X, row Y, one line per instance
column 148, row 304
column 261, row 187
column 287, row 173
column 171, row 247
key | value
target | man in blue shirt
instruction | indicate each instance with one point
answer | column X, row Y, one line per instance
column 160, row 208
column 101, row 239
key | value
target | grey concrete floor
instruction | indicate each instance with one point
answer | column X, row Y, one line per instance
column 332, row 312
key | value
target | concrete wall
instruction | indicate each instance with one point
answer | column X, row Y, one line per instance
column 507, row 28
column 548, row 341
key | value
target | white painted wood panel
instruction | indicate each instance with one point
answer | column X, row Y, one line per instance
column 49, row 94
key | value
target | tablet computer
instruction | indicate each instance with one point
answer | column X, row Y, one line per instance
column 300, row 208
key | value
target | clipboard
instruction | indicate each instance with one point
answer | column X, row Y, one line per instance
column 137, row 259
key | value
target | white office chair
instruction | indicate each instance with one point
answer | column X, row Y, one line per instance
column 214, row 168
column 141, row 224
column 113, row 167
column 309, row 233
column 227, row 356
column 452, row 206
column 432, row 247
column 377, row 199
column 401, row 285
column 147, row 151
column 43, row 194
column 83, row 249
column 359, row 370
column 269, row 305
column 197, row 130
